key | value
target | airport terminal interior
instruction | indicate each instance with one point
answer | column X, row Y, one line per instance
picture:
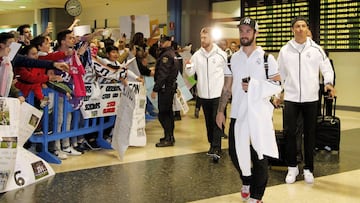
column 184, row 173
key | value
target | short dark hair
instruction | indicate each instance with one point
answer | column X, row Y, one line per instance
column 21, row 28
column 60, row 37
column 4, row 36
column 108, row 42
column 137, row 39
column 38, row 41
column 299, row 18
column 111, row 48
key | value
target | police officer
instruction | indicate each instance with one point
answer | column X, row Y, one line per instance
column 166, row 71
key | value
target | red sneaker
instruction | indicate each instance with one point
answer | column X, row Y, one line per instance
column 245, row 192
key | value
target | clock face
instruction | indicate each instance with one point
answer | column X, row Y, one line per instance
column 73, row 7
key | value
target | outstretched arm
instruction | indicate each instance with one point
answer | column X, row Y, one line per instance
column 75, row 23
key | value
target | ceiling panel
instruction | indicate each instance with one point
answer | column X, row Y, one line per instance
column 7, row 6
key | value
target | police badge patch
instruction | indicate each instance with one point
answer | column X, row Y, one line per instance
column 165, row 59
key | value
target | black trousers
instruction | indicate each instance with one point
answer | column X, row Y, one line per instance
column 214, row 133
column 309, row 115
column 166, row 114
column 259, row 171
column 197, row 103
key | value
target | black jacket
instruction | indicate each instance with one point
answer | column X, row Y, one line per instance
column 166, row 70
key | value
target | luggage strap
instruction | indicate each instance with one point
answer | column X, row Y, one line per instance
column 266, row 64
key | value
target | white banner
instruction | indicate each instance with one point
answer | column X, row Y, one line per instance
column 186, row 94
column 179, row 102
column 149, row 84
column 129, row 127
column 105, row 103
column 133, row 24
column 137, row 133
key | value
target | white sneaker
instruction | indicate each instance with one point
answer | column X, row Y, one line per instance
column 44, row 102
column 291, row 175
column 61, row 155
column 308, row 176
column 71, row 151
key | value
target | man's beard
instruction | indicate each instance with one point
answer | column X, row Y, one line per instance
column 205, row 45
column 247, row 42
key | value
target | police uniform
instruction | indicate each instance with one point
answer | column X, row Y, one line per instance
column 166, row 71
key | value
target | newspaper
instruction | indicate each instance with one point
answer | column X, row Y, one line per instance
column 19, row 167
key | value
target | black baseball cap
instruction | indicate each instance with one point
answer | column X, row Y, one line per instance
column 250, row 22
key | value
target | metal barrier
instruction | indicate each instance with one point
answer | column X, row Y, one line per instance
column 79, row 126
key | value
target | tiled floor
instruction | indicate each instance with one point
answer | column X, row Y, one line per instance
column 184, row 173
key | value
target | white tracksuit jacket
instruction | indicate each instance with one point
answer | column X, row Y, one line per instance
column 299, row 71
column 209, row 68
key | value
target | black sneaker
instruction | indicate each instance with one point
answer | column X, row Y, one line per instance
column 92, row 145
column 217, row 151
column 165, row 144
column 211, row 151
column 196, row 114
column 80, row 149
column 224, row 136
column 83, row 145
column 163, row 139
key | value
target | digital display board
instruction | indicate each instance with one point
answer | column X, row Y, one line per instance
column 275, row 21
column 337, row 22
column 340, row 25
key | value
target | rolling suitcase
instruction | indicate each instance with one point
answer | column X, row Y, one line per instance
column 328, row 130
column 280, row 141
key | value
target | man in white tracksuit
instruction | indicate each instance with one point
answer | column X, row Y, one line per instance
column 209, row 63
column 251, row 132
column 300, row 62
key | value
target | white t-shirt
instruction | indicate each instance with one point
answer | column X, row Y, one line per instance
column 243, row 66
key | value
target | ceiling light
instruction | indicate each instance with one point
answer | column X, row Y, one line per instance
column 216, row 33
column 22, row 6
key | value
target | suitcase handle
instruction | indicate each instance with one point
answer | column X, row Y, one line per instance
column 323, row 108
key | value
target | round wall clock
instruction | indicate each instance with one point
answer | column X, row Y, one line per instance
column 73, row 7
